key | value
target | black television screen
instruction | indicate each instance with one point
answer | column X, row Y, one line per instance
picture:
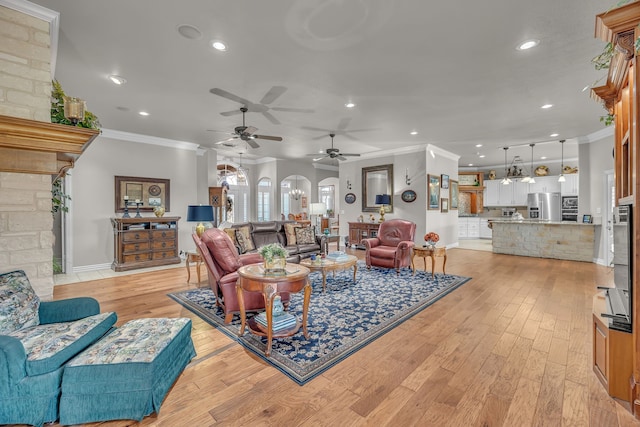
column 622, row 264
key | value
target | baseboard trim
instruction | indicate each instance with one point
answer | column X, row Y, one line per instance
column 94, row 267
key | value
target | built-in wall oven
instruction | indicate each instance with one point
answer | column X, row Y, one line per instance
column 570, row 208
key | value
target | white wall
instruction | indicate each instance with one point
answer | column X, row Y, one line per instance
column 441, row 162
column 93, row 193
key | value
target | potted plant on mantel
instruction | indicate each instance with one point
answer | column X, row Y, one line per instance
column 275, row 257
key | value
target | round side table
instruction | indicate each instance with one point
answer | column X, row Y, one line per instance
column 432, row 253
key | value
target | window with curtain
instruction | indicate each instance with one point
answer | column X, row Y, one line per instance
column 264, row 199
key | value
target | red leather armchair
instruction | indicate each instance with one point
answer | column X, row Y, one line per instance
column 222, row 261
column 392, row 247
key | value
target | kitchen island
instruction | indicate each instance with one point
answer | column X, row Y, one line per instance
column 544, row 239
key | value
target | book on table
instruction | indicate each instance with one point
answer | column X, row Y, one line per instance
column 337, row 256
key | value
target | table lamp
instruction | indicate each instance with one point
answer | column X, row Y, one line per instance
column 382, row 200
column 200, row 214
column 317, row 209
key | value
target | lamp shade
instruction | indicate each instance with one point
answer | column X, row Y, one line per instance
column 317, row 209
column 200, row 213
column 383, row 199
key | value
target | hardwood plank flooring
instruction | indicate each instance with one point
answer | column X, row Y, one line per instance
column 512, row 347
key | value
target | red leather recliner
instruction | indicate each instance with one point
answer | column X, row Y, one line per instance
column 222, row 261
column 392, row 247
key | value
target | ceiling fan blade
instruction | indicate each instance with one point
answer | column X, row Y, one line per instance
column 350, row 154
column 223, row 93
column 252, row 143
column 249, row 130
column 341, row 157
column 319, row 158
column 225, row 140
column 316, row 129
column 293, row 110
column 220, row 131
column 270, row 117
column 274, row 93
column 270, row 138
column 230, row 113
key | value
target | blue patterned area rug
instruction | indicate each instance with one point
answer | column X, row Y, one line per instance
column 341, row 321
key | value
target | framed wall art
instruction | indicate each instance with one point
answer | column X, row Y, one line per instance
column 445, row 181
column 444, row 205
column 433, row 191
column 408, row 196
column 150, row 192
column 453, row 194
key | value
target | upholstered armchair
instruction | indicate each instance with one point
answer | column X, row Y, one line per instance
column 392, row 247
column 223, row 261
column 37, row 338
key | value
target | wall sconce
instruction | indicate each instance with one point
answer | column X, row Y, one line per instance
column 74, row 109
column 407, row 180
column 348, row 185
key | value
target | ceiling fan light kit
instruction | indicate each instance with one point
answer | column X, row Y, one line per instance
column 247, row 133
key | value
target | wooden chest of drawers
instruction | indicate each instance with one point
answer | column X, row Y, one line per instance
column 361, row 230
column 144, row 242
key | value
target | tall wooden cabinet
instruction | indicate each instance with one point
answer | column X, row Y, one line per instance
column 144, row 242
column 620, row 97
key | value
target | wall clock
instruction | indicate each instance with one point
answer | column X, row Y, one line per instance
column 350, row 198
column 408, row 196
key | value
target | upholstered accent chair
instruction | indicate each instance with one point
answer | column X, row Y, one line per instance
column 222, row 260
column 392, row 247
column 37, row 339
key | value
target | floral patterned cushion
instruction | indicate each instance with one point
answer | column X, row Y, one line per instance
column 305, row 236
column 19, row 303
column 139, row 340
column 243, row 236
column 290, row 232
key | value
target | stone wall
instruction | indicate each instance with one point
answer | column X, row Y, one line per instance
column 544, row 240
column 26, row 222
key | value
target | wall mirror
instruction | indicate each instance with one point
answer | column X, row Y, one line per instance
column 376, row 180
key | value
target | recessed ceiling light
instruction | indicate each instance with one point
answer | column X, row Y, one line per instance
column 117, row 79
column 528, row 44
column 189, row 32
column 470, row 164
column 415, row 132
column 553, row 135
column 481, row 156
column 218, row 45
column 143, row 113
column 543, row 157
column 478, row 145
column 545, row 106
column 349, row 105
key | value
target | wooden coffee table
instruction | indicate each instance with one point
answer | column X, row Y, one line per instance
column 252, row 278
column 324, row 265
column 427, row 252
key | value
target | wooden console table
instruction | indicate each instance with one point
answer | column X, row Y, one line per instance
column 362, row 230
column 144, row 242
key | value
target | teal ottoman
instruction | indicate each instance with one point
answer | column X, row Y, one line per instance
column 126, row 374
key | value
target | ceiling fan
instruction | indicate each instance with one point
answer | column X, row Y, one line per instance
column 246, row 133
column 332, row 153
column 261, row 107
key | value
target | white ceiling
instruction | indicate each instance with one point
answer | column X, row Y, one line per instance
column 449, row 70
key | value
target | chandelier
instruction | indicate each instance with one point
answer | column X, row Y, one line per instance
column 296, row 193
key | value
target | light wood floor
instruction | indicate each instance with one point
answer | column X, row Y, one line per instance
column 511, row 347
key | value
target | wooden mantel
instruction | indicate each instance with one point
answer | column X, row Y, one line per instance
column 30, row 146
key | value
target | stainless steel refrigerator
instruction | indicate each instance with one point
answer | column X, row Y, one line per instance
column 545, row 206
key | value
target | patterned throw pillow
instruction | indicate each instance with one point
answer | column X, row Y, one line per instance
column 290, row 232
column 19, row 304
column 232, row 233
column 305, row 236
column 244, row 239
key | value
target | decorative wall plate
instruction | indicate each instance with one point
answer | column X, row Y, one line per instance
column 408, row 196
column 155, row 190
column 350, row 198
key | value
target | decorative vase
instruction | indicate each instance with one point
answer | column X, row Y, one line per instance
column 275, row 265
column 159, row 211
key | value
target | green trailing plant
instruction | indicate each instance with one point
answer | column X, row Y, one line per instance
column 271, row 251
column 57, row 110
column 608, row 119
column 58, row 197
column 603, row 60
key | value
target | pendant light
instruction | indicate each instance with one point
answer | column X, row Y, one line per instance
column 505, row 180
column 561, row 178
column 532, row 180
column 296, row 193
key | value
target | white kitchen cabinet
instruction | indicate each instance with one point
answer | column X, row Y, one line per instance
column 491, row 193
column 473, row 228
column 462, row 228
column 513, row 194
column 545, row 184
column 485, row 231
column 570, row 186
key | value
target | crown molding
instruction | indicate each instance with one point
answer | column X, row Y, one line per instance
column 152, row 140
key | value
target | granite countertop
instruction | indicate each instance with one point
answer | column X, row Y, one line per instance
column 538, row 221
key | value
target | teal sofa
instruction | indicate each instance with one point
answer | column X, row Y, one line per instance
column 36, row 341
